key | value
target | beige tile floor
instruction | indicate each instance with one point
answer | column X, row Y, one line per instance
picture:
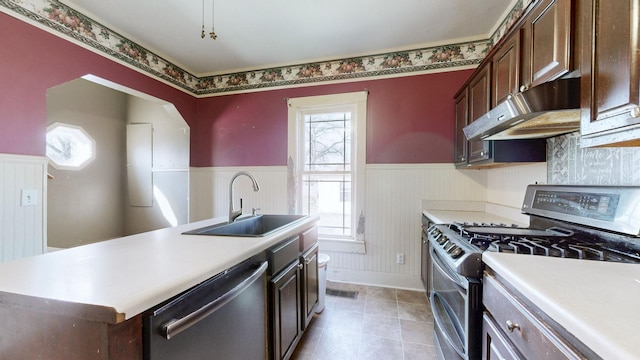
column 381, row 324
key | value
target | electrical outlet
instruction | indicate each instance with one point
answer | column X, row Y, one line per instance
column 29, row 197
column 400, row 258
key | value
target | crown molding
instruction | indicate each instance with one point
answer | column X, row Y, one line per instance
column 65, row 22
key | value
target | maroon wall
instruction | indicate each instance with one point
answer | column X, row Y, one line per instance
column 32, row 61
column 409, row 120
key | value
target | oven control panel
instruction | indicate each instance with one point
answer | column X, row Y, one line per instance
column 589, row 205
column 614, row 208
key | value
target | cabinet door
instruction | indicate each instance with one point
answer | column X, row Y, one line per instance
column 425, row 262
column 285, row 293
column 611, row 71
column 462, row 118
column 479, row 104
column 310, row 285
column 547, row 39
column 506, row 69
column 494, row 345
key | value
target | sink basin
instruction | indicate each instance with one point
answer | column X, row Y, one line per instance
column 255, row 226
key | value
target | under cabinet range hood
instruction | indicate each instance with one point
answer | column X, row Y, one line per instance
column 546, row 110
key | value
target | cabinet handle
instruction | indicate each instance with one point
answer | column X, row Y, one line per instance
column 512, row 326
column 635, row 112
column 524, row 88
column 481, row 153
column 300, row 266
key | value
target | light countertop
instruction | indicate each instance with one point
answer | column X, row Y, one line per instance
column 446, row 212
column 114, row 280
column 598, row 302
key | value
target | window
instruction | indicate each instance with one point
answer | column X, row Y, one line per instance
column 69, row 147
column 327, row 151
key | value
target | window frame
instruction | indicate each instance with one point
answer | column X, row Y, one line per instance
column 357, row 102
column 88, row 139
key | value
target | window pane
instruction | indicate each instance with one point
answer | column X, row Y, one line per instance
column 329, row 195
column 69, row 146
column 328, row 142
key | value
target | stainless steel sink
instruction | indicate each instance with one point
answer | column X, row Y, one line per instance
column 254, row 226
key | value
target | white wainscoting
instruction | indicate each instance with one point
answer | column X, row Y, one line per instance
column 506, row 186
column 393, row 212
column 22, row 228
column 209, row 191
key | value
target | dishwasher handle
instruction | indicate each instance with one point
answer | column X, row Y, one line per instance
column 176, row 326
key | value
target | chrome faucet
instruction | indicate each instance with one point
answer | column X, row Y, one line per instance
column 233, row 214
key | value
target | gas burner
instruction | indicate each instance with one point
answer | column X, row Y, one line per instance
column 553, row 241
column 572, row 247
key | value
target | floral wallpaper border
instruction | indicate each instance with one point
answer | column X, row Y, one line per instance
column 71, row 23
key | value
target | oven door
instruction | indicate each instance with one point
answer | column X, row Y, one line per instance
column 448, row 304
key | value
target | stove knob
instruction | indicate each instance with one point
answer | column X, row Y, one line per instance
column 443, row 240
column 457, row 252
column 451, row 248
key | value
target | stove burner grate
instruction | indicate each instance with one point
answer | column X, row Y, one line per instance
column 575, row 246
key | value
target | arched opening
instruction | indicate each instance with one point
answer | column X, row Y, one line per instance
column 138, row 177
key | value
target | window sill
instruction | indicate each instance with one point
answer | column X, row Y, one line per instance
column 342, row 245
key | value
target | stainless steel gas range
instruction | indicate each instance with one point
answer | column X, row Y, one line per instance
column 583, row 222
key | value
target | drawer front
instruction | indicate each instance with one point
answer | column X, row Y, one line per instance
column 531, row 337
column 308, row 239
column 495, row 345
column 282, row 254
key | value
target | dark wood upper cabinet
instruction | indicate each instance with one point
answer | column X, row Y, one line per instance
column 461, row 102
column 547, row 42
column 479, row 104
column 610, row 73
column 473, row 101
column 541, row 47
column 506, row 69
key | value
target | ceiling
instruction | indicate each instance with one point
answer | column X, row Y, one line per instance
column 256, row 34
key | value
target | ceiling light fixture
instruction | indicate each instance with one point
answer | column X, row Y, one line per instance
column 212, row 34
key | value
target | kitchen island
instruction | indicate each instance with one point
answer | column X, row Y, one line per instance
column 86, row 295
column 596, row 302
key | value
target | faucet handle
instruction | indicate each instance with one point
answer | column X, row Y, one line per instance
column 254, row 211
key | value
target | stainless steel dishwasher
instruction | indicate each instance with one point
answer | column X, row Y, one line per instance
column 221, row 318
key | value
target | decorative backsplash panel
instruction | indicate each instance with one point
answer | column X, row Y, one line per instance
column 568, row 164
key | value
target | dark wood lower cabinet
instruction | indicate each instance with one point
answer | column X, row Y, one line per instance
column 27, row 334
column 310, row 284
column 515, row 329
column 495, row 346
column 286, row 312
column 425, row 257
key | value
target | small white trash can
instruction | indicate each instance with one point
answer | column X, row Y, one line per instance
column 323, row 261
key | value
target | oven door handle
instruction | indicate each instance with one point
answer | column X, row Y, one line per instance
column 176, row 326
column 441, row 268
column 440, row 323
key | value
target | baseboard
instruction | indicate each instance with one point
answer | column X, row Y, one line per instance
column 372, row 278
